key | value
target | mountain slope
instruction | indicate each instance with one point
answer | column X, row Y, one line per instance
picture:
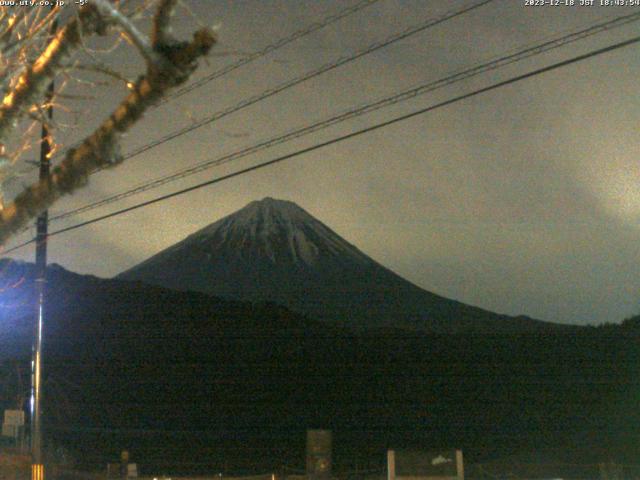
column 188, row 382
column 273, row 250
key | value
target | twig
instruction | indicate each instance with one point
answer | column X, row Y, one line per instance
column 161, row 23
column 34, row 80
column 101, row 149
column 104, row 70
column 130, row 30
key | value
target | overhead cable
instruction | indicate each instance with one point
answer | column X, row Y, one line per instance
column 348, row 136
column 356, row 112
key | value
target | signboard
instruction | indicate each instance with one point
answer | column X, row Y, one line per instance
column 13, row 423
column 445, row 464
column 319, row 453
column 115, row 470
column 14, row 417
column 132, row 470
column 10, row 430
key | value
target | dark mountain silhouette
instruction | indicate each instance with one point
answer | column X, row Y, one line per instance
column 273, row 250
column 192, row 383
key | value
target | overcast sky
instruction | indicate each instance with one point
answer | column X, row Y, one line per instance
column 524, row 200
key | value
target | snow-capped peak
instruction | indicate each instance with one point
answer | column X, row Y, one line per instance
column 276, row 229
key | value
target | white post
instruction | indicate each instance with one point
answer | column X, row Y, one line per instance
column 391, row 465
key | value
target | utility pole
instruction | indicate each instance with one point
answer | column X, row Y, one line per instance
column 37, row 466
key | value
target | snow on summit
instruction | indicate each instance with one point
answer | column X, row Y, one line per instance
column 273, row 250
column 278, row 229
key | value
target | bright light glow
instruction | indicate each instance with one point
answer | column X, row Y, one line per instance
column 619, row 192
column 612, row 176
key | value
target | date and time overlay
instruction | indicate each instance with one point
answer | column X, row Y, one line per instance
column 41, row 3
column 581, row 3
column 526, row 3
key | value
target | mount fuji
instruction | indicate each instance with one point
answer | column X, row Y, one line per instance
column 273, row 250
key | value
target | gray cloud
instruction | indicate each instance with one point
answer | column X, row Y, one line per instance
column 524, row 200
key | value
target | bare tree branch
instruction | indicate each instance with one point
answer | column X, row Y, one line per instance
column 104, row 70
column 12, row 23
column 161, row 23
column 32, row 32
column 131, row 31
column 34, row 80
column 178, row 61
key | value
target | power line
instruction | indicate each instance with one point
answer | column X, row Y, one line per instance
column 408, row 32
column 18, row 247
column 298, row 34
column 314, row 27
column 361, row 110
column 357, row 133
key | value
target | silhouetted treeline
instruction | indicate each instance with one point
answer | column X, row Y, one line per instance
column 190, row 383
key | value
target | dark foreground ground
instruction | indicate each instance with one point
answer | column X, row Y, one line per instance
column 193, row 384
